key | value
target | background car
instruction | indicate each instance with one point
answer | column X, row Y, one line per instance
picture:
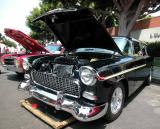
column 14, row 62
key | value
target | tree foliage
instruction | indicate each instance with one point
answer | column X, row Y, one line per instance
column 39, row 30
column 7, row 41
column 1, row 37
column 153, row 49
column 123, row 13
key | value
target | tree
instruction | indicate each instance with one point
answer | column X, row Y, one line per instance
column 1, row 37
column 7, row 41
column 39, row 30
column 126, row 12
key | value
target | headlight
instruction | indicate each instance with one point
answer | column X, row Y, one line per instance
column 88, row 75
column 25, row 64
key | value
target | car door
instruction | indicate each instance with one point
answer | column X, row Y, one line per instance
column 141, row 72
column 125, row 45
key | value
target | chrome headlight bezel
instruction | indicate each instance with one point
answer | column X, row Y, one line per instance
column 88, row 75
column 25, row 64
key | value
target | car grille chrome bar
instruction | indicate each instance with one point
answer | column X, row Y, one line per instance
column 50, row 81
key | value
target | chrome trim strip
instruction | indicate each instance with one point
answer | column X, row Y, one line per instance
column 89, row 95
column 114, row 75
column 120, row 73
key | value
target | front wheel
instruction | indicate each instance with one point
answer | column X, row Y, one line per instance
column 116, row 102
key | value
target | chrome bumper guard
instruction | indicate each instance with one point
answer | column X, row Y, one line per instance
column 82, row 113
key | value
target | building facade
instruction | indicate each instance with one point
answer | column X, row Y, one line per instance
column 145, row 30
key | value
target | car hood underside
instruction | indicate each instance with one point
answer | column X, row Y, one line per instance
column 78, row 28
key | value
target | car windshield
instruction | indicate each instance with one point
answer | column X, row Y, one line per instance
column 95, row 50
column 123, row 44
column 53, row 48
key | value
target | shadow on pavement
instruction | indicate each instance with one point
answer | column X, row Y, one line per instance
column 98, row 124
column 155, row 81
column 134, row 95
column 15, row 77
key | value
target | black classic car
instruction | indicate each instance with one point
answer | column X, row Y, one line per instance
column 96, row 73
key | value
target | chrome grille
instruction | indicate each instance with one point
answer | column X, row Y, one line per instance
column 52, row 82
column 9, row 61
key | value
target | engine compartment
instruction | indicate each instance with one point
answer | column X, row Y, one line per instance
column 66, row 65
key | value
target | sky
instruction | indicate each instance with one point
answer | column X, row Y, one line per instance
column 13, row 14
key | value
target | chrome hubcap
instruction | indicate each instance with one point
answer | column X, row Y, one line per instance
column 116, row 100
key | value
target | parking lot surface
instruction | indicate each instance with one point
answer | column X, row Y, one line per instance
column 142, row 110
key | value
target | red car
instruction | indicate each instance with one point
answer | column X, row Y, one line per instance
column 14, row 62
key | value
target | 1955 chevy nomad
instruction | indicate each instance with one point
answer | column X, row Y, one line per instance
column 95, row 74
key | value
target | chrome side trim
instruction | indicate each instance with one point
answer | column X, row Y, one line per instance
column 100, row 78
column 120, row 73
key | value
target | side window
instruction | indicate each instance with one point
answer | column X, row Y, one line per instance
column 139, row 49
column 124, row 45
column 144, row 49
column 127, row 49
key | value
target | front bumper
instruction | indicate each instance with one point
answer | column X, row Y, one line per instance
column 81, row 112
column 13, row 68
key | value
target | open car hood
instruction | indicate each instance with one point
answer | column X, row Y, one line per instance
column 78, row 28
column 26, row 41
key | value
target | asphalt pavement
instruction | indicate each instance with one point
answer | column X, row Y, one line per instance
column 142, row 110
